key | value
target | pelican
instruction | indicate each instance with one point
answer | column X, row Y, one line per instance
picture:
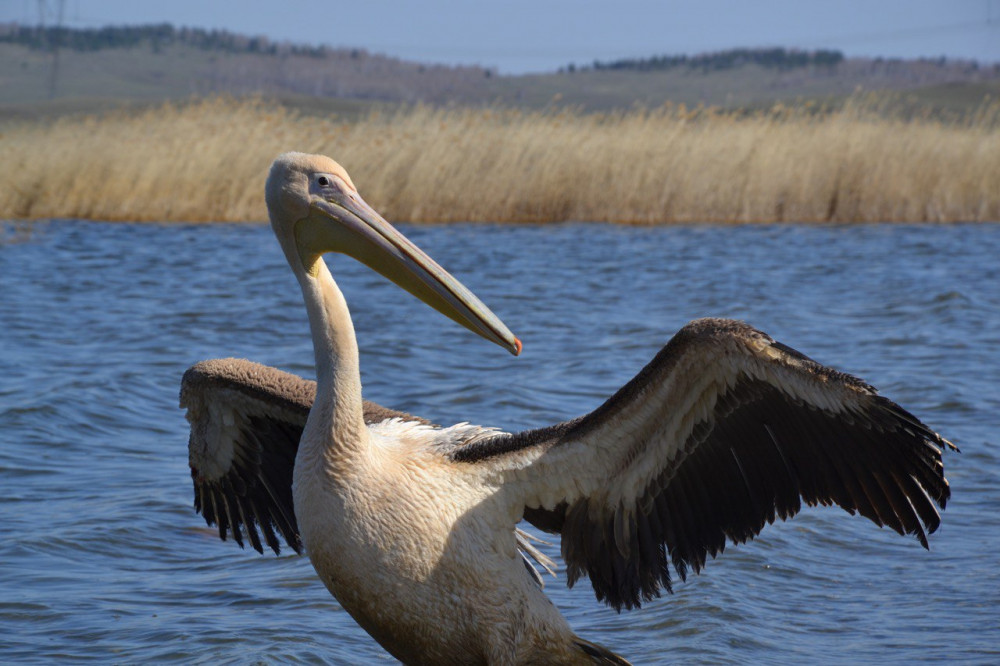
column 413, row 527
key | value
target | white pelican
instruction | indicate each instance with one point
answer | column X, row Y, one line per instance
column 412, row 527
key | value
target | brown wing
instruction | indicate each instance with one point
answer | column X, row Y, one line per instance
column 723, row 432
column 246, row 421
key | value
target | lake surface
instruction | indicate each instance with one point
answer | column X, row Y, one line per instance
column 102, row 558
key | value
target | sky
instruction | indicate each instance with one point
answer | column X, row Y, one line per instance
column 523, row 36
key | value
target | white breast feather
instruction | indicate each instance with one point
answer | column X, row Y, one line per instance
column 396, row 432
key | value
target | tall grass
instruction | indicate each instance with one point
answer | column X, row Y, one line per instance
column 207, row 161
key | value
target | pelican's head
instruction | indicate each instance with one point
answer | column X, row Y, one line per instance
column 315, row 208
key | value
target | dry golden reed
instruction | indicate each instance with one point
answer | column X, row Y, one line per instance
column 207, row 160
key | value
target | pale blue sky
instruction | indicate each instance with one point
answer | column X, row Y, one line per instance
column 542, row 35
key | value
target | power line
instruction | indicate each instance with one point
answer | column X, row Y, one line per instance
column 43, row 14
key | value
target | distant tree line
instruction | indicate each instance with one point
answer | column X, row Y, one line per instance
column 156, row 36
column 771, row 58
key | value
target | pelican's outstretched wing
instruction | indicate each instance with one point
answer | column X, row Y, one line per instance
column 725, row 430
column 246, row 421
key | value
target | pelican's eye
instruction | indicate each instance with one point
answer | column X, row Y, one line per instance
column 323, row 181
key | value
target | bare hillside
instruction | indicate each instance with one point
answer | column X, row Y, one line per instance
column 51, row 71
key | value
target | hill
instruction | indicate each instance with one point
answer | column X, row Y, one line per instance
column 54, row 71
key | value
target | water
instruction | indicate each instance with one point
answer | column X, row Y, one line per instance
column 102, row 558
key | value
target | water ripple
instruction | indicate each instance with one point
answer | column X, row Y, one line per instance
column 104, row 560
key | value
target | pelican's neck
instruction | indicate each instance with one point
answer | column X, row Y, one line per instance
column 336, row 421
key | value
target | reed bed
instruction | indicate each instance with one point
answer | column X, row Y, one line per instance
column 207, row 161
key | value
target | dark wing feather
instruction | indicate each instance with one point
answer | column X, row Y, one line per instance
column 246, row 422
column 723, row 432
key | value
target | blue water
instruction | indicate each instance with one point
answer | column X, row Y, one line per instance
column 102, row 558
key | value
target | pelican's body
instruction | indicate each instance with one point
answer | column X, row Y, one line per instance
column 412, row 527
column 403, row 536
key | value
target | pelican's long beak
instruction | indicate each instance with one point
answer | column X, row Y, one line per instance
column 343, row 222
